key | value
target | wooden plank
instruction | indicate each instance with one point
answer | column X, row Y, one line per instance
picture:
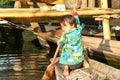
column 98, row 34
column 35, row 19
column 99, row 41
column 49, row 28
column 102, row 71
column 105, row 56
column 29, row 13
column 57, row 2
column 44, row 1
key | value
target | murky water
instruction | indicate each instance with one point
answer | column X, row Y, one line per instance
column 21, row 55
column 26, row 61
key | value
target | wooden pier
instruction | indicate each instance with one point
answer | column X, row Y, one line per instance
column 32, row 14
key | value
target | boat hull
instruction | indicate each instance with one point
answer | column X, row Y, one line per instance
column 97, row 71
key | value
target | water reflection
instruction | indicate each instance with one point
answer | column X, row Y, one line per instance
column 20, row 58
column 9, row 40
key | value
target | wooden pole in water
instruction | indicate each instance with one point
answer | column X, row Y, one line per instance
column 106, row 23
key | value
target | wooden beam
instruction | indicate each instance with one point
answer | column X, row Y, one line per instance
column 35, row 19
column 29, row 13
column 108, row 16
column 43, row 1
column 57, row 2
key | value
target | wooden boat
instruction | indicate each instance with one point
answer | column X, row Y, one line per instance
column 97, row 71
column 104, row 50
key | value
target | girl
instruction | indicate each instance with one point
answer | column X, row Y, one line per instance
column 72, row 55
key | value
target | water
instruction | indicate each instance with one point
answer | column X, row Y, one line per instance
column 21, row 56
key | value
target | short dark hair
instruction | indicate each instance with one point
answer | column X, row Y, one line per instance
column 69, row 19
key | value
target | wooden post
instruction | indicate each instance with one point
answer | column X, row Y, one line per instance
column 99, row 3
column 84, row 4
column 17, row 4
column 106, row 29
column 35, row 25
column 91, row 3
column 104, row 3
column 106, row 23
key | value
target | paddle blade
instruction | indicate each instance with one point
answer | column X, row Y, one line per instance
column 48, row 73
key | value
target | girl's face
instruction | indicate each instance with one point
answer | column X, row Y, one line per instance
column 67, row 27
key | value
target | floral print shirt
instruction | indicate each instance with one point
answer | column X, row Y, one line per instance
column 72, row 52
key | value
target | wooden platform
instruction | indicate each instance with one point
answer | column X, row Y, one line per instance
column 37, row 13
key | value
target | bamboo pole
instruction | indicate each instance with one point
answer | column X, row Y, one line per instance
column 106, row 23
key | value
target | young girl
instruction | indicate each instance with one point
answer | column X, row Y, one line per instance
column 72, row 55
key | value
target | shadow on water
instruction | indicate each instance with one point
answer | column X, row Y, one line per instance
column 21, row 55
column 53, row 47
column 10, row 40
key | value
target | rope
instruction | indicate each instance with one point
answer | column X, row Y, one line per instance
column 18, row 26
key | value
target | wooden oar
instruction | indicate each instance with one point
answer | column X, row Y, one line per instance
column 49, row 71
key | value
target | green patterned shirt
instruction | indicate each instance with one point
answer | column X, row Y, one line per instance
column 72, row 52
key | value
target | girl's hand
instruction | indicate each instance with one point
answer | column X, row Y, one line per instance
column 74, row 7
